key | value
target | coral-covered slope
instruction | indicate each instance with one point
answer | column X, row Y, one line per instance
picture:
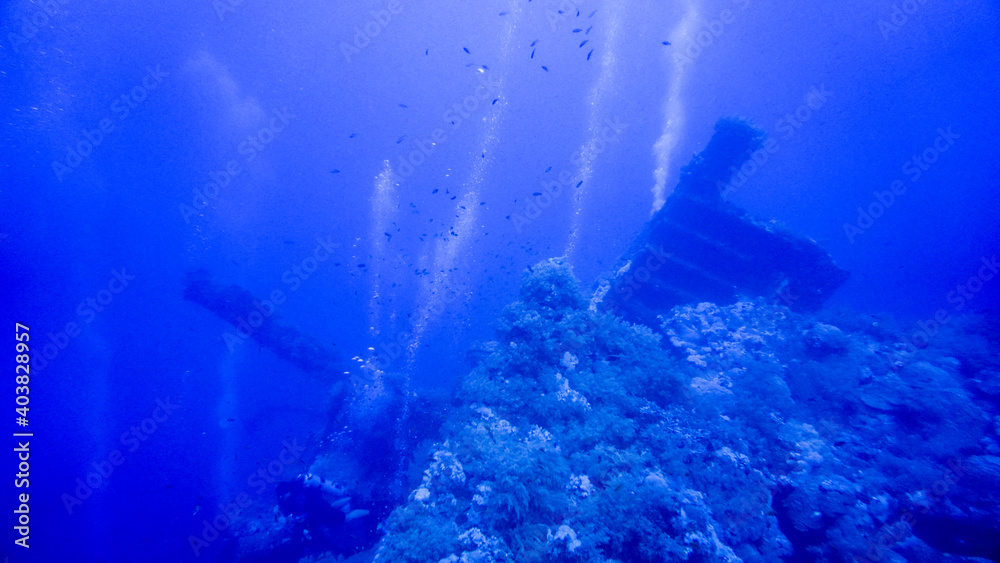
column 753, row 434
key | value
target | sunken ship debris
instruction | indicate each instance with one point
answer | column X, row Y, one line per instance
column 698, row 247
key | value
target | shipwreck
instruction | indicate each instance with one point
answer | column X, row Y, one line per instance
column 700, row 248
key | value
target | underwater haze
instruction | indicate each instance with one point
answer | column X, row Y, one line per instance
column 526, row 280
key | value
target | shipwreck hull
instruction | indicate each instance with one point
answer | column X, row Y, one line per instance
column 698, row 247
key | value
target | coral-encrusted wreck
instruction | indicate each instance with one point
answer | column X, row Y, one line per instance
column 698, row 247
column 730, row 423
column 741, row 433
column 689, row 416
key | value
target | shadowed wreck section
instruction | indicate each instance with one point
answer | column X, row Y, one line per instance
column 698, row 247
column 253, row 319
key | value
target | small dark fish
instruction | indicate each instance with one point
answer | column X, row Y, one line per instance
column 427, row 51
column 495, row 101
column 549, row 169
column 352, row 135
column 454, row 196
column 545, row 68
column 400, row 140
column 537, row 194
column 585, row 41
column 485, row 67
column 580, row 183
column 466, row 49
column 588, row 30
column 503, row 13
column 592, row 14
column 434, row 191
column 533, row 43
column 577, row 30
column 482, row 203
column 590, row 53
column 578, row 13
column 666, row 43
column 532, row 53
column 404, row 106
column 388, row 235
column 361, row 265
column 168, row 486
column 335, row 171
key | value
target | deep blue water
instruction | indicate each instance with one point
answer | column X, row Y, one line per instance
column 373, row 165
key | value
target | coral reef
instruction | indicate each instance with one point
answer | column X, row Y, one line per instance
column 746, row 432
